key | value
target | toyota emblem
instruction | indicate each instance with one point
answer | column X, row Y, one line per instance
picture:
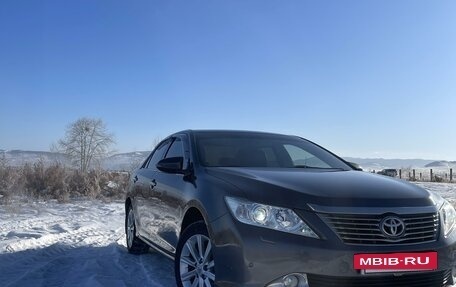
column 392, row 226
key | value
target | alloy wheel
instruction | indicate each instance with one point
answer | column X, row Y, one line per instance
column 197, row 262
column 130, row 228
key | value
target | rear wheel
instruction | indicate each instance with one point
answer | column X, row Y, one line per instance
column 194, row 263
column 134, row 244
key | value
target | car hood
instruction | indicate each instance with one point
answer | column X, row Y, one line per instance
column 297, row 188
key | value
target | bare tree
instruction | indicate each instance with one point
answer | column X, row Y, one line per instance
column 86, row 140
column 156, row 141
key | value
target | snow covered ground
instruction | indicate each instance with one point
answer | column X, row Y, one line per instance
column 75, row 244
column 82, row 244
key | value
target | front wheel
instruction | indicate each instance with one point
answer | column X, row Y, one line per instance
column 134, row 244
column 194, row 263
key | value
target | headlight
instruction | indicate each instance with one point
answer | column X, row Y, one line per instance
column 277, row 218
column 449, row 218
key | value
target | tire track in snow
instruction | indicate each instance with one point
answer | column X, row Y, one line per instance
column 91, row 235
column 30, row 223
column 70, row 237
column 73, row 239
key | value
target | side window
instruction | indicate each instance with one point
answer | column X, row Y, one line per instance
column 302, row 157
column 158, row 154
column 146, row 162
column 176, row 149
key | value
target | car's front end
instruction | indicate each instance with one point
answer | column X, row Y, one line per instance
column 282, row 235
column 325, row 252
column 295, row 215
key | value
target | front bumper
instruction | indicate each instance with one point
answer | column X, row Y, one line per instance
column 253, row 256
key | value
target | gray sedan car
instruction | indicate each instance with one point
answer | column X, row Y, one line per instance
column 237, row 208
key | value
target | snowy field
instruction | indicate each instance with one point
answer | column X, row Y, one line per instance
column 82, row 244
column 75, row 244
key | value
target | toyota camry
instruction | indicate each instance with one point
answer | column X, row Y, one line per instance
column 238, row 208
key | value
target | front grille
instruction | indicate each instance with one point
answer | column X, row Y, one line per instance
column 365, row 229
column 429, row 279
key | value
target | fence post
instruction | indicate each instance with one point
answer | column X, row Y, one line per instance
column 421, row 176
column 400, row 173
column 414, row 178
column 431, row 176
column 410, row 176
column 451, row 174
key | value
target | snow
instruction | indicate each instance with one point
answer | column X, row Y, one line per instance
column 446, row 190
column 82, row 243
column 112, row 184
column 76, row 244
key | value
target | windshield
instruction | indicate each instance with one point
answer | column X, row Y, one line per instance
column 243, row 149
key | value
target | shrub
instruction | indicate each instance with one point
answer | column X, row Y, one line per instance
column 438, row 178
column 8, row 180
column 114, row 184
column 46, row 182
column 55, row 177
column 98, row 184
column 59, row 182
column 34, row 181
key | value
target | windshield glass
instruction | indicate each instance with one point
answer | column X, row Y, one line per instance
column 243, row 149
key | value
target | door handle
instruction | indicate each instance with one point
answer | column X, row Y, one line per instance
column 153, row 183
column 135, row 179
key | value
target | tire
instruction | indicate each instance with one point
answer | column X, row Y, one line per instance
column 134, row 244
column 194, row 259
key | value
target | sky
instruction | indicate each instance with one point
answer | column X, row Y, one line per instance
column 361, row 78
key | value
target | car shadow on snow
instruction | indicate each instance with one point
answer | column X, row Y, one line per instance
column 64, row 265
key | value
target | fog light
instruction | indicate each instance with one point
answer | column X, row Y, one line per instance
column 290, row 281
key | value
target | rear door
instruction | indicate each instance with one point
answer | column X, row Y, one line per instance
column 146, row 217
column 171, row 194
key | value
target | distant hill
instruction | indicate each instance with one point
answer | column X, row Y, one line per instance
column 381, row 163
column 120, row 161
column 442, row 163
column 125, row 161
column 19, row 157
column 130, row 160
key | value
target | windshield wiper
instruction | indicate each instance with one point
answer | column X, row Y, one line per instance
column 317, row 167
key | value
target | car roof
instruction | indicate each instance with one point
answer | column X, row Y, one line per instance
column 231, row 132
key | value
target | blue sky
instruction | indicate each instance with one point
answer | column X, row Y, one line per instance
column 362, row 78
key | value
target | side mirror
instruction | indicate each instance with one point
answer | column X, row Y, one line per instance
column 355, row 166
column 171, row 165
